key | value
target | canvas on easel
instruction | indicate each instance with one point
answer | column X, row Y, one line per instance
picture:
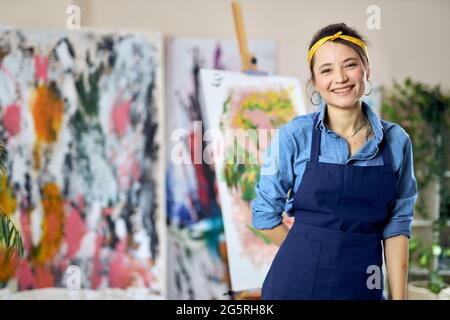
column 242, row 114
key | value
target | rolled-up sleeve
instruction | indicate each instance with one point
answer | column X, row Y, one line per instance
column 401, row 209
column 276, row 178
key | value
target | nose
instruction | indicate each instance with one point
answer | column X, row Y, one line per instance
column 341, row 76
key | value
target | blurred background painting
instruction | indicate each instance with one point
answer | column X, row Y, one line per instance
column 80, row 118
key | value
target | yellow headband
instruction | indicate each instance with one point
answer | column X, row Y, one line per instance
column 354, row 40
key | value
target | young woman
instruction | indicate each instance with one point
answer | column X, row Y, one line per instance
column 351, row 186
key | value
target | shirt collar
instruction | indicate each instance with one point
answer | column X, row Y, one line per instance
column 371, row 115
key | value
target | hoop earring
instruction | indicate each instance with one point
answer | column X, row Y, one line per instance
column 320, row 98
column 366, row 94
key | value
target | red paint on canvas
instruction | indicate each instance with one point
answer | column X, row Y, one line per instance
column 44, row 277
column 74, row 231
column 25, row 276
column 25, row 222
column 121, row 117
column 41, row 67
column 96, row 275
column 11, row 119
column 120, row 272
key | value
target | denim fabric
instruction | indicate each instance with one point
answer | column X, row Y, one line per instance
column 285, row 159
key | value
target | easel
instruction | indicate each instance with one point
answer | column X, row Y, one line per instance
column 248, row 65
column 248, row 62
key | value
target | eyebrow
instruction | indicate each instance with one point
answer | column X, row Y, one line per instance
column 329, row 64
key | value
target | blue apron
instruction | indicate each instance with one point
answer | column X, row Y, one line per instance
column 334, row 245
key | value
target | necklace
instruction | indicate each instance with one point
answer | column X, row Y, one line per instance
column 362, row 125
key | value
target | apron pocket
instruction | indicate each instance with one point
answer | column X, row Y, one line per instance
column 298, row 260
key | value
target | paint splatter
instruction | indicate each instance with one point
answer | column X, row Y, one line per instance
column 74, row 232
column 121, row 117
column 47, row 109
column 25, row 222
column 25, row 276
column 11, row 119
column 44, row 277
column 120, row 272
column 52, row 224
column 96, row 275
column 7, row 199
column 41, row 68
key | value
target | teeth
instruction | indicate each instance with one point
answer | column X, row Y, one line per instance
column 342, row 90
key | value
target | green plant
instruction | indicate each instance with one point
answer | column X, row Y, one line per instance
column 424, row 257
column 424, row 113
column 9, row 234
column 11, row 244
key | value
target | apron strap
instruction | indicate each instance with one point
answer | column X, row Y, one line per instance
column 315, row 142
column 386, row 154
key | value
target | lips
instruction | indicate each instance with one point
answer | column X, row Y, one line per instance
column 343, row 90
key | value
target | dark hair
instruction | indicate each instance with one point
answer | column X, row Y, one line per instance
column 331, row 30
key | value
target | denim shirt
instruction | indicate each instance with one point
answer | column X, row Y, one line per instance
column 285, row 159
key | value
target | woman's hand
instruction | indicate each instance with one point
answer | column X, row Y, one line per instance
column 396, row 256
column 276, row 234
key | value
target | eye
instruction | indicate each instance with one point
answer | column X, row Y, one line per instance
column 325, row 71
column 351, row 65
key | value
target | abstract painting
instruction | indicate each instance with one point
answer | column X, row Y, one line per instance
column 81, row 121
column 243, row 112
column 197, row 266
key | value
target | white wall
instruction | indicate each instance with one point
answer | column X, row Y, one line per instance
column 413, row 40
column 42, row 13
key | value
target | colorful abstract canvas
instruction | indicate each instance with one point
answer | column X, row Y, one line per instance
column 197, row 267
column 81, row 120
column 243, row 112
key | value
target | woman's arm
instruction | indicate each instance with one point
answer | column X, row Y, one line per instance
column 277, row 234
column 396, row 257
column 276, row 179
column 401, row 211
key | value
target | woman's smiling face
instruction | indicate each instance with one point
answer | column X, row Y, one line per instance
column 339, row 74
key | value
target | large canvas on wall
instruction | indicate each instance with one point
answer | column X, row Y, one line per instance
column 81, row 120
